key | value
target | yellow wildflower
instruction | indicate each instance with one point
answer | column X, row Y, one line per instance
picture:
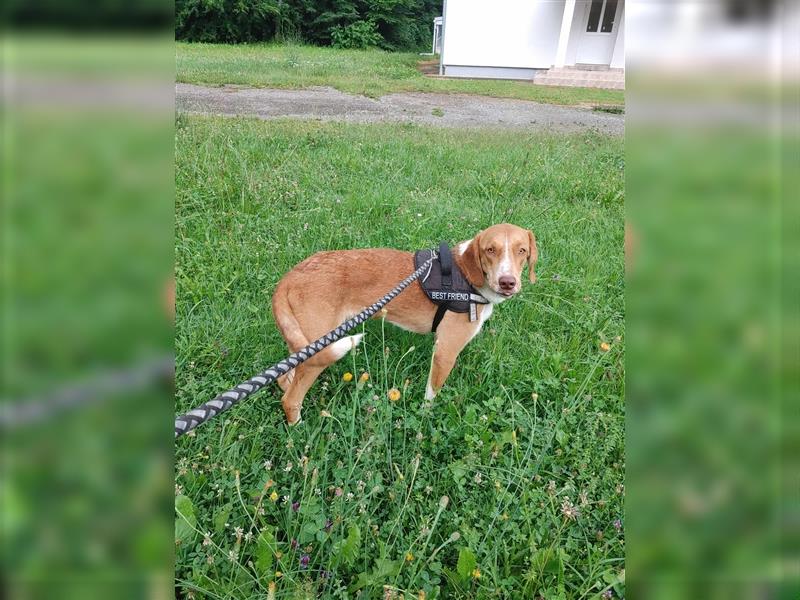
column 274, row 496
column 421, row 595
column 394, row 394
column 278, row 574
column 409, row 557
column 476, row 573
column 364, row 377
column 605, row 346
column 347, row 377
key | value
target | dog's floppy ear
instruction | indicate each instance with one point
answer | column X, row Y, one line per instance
column 533, row 256
column 470, row 262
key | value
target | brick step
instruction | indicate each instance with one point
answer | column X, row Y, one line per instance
column 593, row 79
column 578, row 83
column 595, row 75
column 568, row 81
column 610, row 85
column 592, row 68
column 602, row 77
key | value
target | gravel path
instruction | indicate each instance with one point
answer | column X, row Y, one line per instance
column 453, row 110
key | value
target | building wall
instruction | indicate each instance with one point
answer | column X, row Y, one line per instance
column 519, row 34
column 618, row 60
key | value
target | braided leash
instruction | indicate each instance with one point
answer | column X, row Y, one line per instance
column 209, row 410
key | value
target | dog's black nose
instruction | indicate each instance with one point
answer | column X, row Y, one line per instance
column 507, row 283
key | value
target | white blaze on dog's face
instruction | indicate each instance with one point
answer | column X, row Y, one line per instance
column 494, row 259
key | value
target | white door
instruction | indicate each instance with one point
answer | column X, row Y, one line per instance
column 600, row 25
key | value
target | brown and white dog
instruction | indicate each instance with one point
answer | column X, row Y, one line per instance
column 329, row 287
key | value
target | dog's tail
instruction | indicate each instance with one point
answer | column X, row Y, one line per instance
column 285, row 319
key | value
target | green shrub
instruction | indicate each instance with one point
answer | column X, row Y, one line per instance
column 361, row 34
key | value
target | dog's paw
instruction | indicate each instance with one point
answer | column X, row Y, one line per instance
column 430, row 394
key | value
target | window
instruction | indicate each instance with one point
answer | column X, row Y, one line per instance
column 594, row 16
column 608, row 16
column 601, row 16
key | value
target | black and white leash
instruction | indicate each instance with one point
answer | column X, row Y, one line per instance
column 209, row 410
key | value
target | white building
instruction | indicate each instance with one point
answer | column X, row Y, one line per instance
column 524, row 39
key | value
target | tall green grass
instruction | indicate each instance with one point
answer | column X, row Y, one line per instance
column 368, row 72
column 508, row 484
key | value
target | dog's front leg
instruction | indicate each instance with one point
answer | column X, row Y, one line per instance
column 453, row 333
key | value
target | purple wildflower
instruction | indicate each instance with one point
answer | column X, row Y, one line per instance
column 304, row 560
column 338, row 492
column 608, row 594
column 617, row 524
column 295, row 506
column 328, row 525
column 294, row 544
column 325, row 574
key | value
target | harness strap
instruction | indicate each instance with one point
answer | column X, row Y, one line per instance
column 437, row 318
column 446, row 260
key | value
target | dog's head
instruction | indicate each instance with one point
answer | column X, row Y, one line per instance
column 494, row 259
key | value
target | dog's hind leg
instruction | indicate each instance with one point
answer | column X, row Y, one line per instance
column 285, row 380
column 303, row 377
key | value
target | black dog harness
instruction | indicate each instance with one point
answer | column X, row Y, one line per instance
column 445, row 285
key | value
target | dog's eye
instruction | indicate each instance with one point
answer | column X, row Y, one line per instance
column 490, row 250
column 522, row 251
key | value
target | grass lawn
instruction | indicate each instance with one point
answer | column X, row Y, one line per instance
column 369, row 72
column 510, row 483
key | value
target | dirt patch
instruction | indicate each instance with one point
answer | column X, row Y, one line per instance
column 428, row 67
column 441, row 110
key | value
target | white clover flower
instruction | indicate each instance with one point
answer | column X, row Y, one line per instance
column 569, row 510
